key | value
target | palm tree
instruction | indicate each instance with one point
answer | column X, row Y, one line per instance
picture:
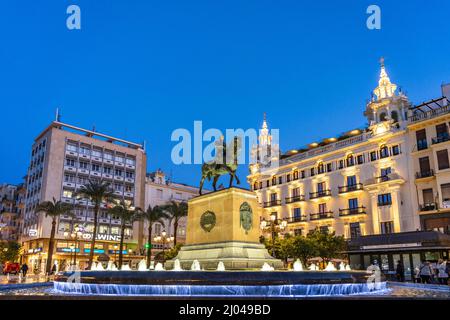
column 53, row 209
column 96, row 192
column 176, row 211
column 127, row 214
column 153, row 215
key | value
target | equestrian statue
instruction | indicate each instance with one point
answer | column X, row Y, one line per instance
column 222, row 164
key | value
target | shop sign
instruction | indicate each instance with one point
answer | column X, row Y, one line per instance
column 392, row 246
column 32, row 233
column 104, row 237
column 67, row 250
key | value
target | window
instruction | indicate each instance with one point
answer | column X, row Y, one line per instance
column 394, row 116
column 108, row 156
column 323, row 229
column 115, row 230
column 395, row 150
column 72, row 147
column 427, row 196
column 130, row 161
column 84, row 165
column 320, row 168
column 355, row 230
column 421, row 138
column 273, row 196
column 118, row 172
column 303, row 174
column 341, row 164
column 322, row 207
column 107, row 170
column 373, row 156
column 297, row 213
column 329, row 167
column 295, row 192
column 70, row 162
column 295, row 174
column 84, row 150
column 95, row 167
column 118, row 159
column 445, row 191
column 442, row 158
column 103, row 229
column 260, row 184
column 441, row 131
column 67, row 194
column 96, row 153
column 280, row 179
column 274, row 181
column 360, row 159
column 384, row 199
column 385, row 172
column 288, row 177
column 353, row 203
column 384, row 152
column 267, row 183
column 69, row 178
column 312, row 172
column 298, row 232
column 387, row 227
column 350, row 160
column 255, row 186
column 382, row 116
column 320, row 187
column 351, row 181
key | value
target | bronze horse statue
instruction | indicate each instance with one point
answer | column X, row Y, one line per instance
column 219, row 166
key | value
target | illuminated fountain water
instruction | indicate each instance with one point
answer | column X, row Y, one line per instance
column 298, row 265
column 177, row 265
column 195, row 266
column 267, row 267
column 220, row 266
column 142, row 266
column 330, row 267
column 159, row 267
column 111, row 266
column 313, row 267
column 347, row 268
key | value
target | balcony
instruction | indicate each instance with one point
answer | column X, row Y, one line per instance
column 440, row 139
column 272, row 203
column 119, row 164
column 351, row 188
column 428, row 207
column 352, row 211
column 425, row 174
column 321, row 215
column 296, row 219
column 96, row 159
column 295, row 199
column 320, row 194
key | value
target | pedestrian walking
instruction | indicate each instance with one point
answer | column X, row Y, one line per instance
column 442, row 272
column 425, row 272
column 24, row 269
column 400, row 272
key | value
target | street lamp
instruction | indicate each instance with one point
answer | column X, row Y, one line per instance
column 116, row 247
column 275, row 226
column 163, row 239
column 76, row 233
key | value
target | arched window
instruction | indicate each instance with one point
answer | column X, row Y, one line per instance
column 384, row 151
column 382, row 116
column 350, row 160
column 394, row 116
column 320, row 168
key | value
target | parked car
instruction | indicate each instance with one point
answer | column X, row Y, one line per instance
column 11, row 268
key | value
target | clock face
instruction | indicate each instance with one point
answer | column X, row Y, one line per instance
column 208, row 220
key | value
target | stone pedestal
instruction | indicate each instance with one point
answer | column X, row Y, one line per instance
column 224, row 226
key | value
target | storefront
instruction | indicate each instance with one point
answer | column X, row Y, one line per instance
column 411, row 248
column 66, row 252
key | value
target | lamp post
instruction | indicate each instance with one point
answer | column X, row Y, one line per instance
column 76, row 233
column 163, row 239
column 116, row 247
column 274, row 225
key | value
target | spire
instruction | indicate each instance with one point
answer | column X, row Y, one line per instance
column 264, row 137
column 385, row 88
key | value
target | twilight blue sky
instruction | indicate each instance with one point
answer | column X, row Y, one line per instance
column 140, row 69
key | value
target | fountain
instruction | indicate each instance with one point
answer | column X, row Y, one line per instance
column 313, row 267
column 342, row 266
column 93, row 266
column 195, row 266
column 99, row 267
column 267, row 267
column 142, row 266
column 330, row 267
column 298, row 265
column 159, row 267
column 126, row 267
column 220, row 266
column 177, row 265
column 347, row 268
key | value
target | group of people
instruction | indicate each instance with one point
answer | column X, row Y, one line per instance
column 427, row 272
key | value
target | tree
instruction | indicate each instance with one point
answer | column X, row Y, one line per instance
column 303, row 248
column 153, row 215
column 176, row 211
column 127, row 214
column 9, row 251
column 327, row 245
column 54, row 210
column 172, row 252
column 97, row 192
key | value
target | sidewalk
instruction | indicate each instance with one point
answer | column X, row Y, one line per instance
column 424, row 286
column 32, row 278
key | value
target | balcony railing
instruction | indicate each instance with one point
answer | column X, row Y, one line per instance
column 352, row 211
column 295, row 199
column 321, row 215
column 440, row 139
column 350, row 188
column 319, row 194
column 272, row 203
column 428, row 207
column 424, row 174
column 296, row 219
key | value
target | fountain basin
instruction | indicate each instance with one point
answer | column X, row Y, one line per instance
column 213, row 283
